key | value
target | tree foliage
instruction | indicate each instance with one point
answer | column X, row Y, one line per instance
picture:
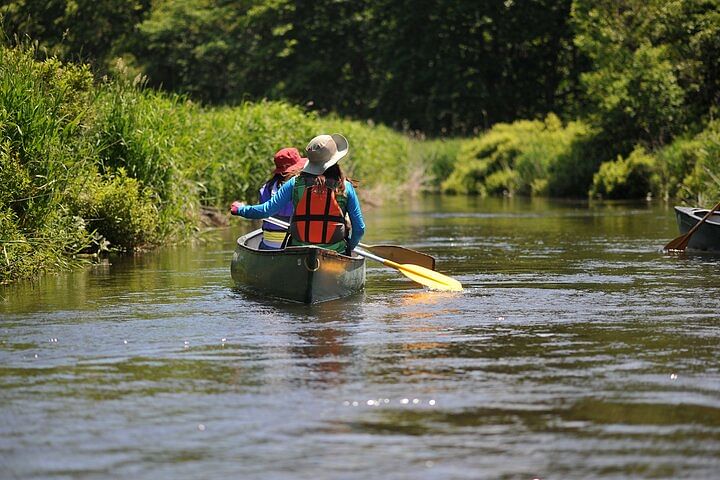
column 79, row 30
column 439, row 67
column 654, row 69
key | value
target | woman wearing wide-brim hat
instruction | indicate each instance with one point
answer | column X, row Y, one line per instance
column 321, row 197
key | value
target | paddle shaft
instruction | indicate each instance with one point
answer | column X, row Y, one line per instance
column 371, row 256
column 681, row 242
column 424, row 276
column 432, row 275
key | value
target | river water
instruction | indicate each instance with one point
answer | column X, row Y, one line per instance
column 577, row 350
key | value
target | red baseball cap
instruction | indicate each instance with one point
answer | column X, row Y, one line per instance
column 289, row 160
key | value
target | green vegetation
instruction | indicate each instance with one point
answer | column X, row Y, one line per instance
column 525, row 157
column 649, row 96
column 439, row 67
column 548, row 159
column 88, row 166
column 630, row 177
column 434, row 161
column 614, row 99
column 690, row 167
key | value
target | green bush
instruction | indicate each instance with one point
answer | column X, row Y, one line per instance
column 549, row 163
column 625, row 178
column 676, row 162
column 524, row 157
column 50, row 247
column 119, row 210
column 43, row 114
column 502, row 182
column 17, row 253
column 571, row 173
column 15, row 181
column 492, row 151
column 690, row 169
column 149, row 136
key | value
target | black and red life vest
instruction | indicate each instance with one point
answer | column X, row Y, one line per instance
column 319, row 216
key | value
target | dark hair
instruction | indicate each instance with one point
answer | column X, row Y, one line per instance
column 335, row 173
column 281, row 178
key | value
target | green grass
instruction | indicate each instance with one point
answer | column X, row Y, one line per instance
column 88, row 164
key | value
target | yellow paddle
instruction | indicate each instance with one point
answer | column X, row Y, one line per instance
column 424, row 276
column 681, row 242
column 416, row 273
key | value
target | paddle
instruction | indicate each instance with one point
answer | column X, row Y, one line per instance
column 416, row 273
column 394, row 253
column 399, row 254
column 680, row 243
column 430, row 278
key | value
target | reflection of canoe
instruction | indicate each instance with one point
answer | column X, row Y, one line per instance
column 707, row 237
column 301, row 274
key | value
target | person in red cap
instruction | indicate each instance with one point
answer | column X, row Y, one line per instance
column 288, row 163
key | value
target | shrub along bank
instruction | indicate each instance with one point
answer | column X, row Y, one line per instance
column 551, row 158
column 88, row 164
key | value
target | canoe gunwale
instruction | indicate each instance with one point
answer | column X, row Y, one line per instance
column 299, row 250
column 697, row 214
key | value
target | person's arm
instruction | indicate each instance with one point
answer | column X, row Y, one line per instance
column 356, row 218
column 272, row 206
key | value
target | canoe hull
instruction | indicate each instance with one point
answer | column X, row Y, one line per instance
column 707, row 237
column 299, row 274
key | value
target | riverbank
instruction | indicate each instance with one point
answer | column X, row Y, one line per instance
column 95, row 164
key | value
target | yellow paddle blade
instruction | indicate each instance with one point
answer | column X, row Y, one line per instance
column 430, row 278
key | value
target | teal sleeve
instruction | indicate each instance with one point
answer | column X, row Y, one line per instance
column 356, row 217
column 272, row 206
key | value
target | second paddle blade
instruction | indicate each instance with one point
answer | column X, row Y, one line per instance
column 402, row 255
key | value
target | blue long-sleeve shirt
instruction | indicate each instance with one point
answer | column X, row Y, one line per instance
column 284, row 195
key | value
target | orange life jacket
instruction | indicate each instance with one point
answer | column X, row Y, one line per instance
column 319, row 218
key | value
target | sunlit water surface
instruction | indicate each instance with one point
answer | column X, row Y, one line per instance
column 577, row 350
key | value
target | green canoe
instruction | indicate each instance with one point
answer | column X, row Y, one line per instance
column 300, row 274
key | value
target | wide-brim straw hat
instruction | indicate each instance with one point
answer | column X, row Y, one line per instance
column 324, row 151
column 288, row 160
